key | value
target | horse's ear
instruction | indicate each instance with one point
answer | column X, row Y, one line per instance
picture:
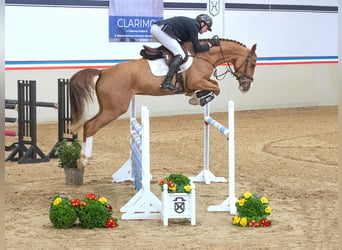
column 253, row 48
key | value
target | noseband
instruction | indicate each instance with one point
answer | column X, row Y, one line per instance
column 241, row 78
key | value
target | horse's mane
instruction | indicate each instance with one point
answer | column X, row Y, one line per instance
column 189, row 45
column 223, row 39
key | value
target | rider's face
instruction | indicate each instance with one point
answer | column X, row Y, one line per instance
column 204, row 28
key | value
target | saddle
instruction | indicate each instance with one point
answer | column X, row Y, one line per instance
column 150, row 53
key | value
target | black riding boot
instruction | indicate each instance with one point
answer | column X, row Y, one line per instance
column 167, row 83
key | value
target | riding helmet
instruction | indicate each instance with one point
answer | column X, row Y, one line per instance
column 206, row 19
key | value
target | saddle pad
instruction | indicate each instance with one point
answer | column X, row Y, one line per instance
column 159, row 67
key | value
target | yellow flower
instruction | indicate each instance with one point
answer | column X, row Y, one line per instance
column 243, row 221
column 187, row 188
column 268, row 209
column 264, row 200
column 236, row 220
column 103, row 200
column 57, row 201
column 247, row 195
column 241, row 202
column 173, row 187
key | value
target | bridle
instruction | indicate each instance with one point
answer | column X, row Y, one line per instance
column 240, row 78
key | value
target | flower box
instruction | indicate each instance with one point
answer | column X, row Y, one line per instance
column 178, row 205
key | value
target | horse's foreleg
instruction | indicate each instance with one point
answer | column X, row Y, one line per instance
column 212, row 85
column 203, row 94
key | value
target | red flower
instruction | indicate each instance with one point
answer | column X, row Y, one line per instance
column 162, row 182
column 109, row 207
column 91, row 196
column 111, row 223
column 265, row 223
column 75, row 202
column 262, row 221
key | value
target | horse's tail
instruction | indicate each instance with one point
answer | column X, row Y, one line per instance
column 81, row 92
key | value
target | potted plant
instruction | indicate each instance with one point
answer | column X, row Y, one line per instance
column 252, row 211
column 68, row 154
column 178, row 198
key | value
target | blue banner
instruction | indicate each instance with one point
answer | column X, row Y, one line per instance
column 131, row 20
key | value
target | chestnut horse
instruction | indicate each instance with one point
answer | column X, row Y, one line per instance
column 116, row 86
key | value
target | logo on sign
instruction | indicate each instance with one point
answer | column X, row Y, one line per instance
column 214, row 7
column 179, row 203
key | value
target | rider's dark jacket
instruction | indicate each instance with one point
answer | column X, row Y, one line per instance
column 183, row 29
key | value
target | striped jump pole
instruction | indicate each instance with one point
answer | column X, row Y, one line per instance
column 144, row 204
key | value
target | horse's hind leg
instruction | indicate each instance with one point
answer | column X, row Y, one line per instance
column 90, row 128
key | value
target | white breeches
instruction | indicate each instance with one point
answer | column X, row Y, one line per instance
column 166, row 40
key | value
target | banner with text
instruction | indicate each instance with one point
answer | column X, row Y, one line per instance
column 130, row 20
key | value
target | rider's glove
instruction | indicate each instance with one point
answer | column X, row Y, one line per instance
column 215, row 41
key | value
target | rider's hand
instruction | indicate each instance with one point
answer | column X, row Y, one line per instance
column 215, row 41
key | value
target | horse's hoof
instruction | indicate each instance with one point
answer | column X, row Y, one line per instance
column 80, row 164
column 194, row 101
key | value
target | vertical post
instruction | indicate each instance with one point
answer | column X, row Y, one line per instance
column 61, row 109
column 64, row 116
column 231, row 156
column 229, row 203
column 21, row 119
column 32, row 123
column 206, row 137
column 145, row 155
column 133, row 108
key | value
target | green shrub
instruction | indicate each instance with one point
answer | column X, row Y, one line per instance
column 68, row 154
column 62, row 214
column 93, row 214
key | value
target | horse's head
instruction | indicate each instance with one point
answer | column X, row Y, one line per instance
column 244, row 69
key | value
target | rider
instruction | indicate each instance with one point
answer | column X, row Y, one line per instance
column 172, row 31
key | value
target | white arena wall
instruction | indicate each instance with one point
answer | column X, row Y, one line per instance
column 294, row 68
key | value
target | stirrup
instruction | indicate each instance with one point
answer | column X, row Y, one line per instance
column 202, row 93
column 168, row 87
